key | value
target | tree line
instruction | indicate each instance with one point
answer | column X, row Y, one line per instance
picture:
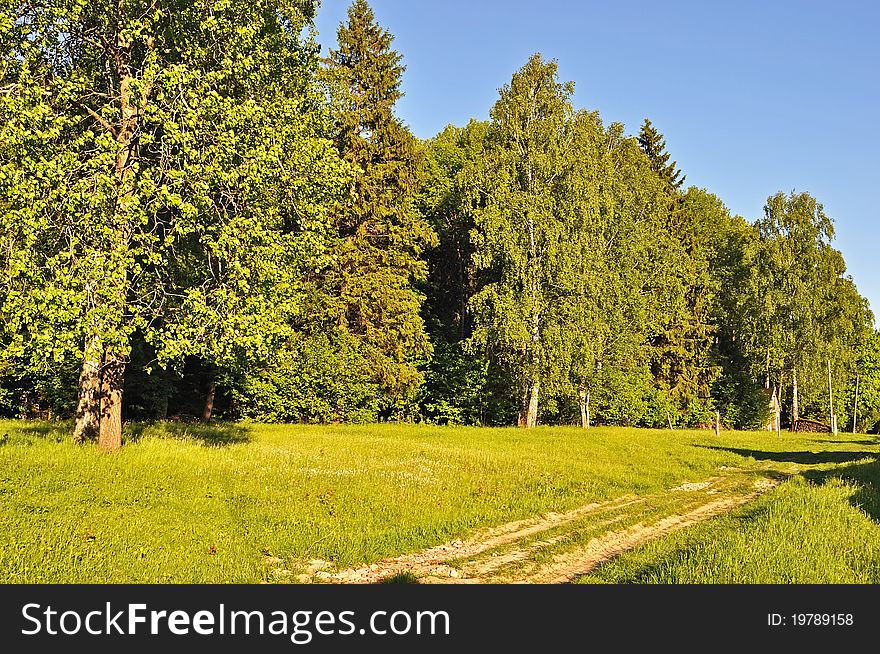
column 202, row 216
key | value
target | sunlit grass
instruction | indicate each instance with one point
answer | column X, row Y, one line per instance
column 804, row 532
column 237, row 503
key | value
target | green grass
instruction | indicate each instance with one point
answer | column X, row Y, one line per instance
column 237, row 503
column 821, row 527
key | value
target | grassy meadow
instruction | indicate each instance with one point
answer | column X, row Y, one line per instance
column 236, row 503
column 821, row 527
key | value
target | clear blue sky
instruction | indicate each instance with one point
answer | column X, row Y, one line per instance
column 752, row 97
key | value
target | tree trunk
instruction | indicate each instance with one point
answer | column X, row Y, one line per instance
column 831, row 414
column 584, row 398
column 113, row 372
column 110, row 436
column 532, row 413
column 209, row 401
column 588, row 411
column 776, row 409
column 856, row 405
column 794, row 400
column 88, row 408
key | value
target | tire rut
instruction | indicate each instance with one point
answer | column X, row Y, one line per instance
column 448, row 563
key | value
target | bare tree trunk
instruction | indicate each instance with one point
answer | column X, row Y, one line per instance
column 780, row 393
column 209, row 401
column 532, row 412
column 88, row 408
column 588, row 411
column 832, row 418
column 523, row 408
column 856, row 405
column 794, row 400
column 584, row 398
column 776, row 408
column 110, row 437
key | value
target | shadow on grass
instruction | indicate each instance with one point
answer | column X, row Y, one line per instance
column 802, row 458
column 50, row 431
column 866, row 476
column 874, row 441
column 221, row 434
column 211, row 435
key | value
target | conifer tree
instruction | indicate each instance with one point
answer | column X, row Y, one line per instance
column 382, row 235
column 654, row 145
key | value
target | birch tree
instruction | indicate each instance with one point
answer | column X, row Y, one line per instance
column 521, row 237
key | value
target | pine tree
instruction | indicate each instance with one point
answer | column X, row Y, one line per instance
column 654, row 145
column 382, row 235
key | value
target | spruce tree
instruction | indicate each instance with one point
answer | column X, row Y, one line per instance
column 681, row 367
column 381, row 234
column 654, row 145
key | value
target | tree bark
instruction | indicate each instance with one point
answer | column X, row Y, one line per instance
column 209, row 401
column 588, row 411
column 113, row 371
column 795, row 412
column 523, row 408
column 88, row 407
column 584, row 398
column 776, row 409
column 532, row 412
column 110, row 436
column 856, row 405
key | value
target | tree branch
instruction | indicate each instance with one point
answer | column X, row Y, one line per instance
column 99, row 118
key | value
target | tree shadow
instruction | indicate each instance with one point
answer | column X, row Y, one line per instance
column 49, row 431
column 802, row 457
column 874, row 441
column 865, row 476
column 221, row 434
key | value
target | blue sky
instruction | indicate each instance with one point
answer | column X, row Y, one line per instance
column 752, row 97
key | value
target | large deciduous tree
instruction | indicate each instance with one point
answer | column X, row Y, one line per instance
column 521, row 237
column 164, row 168
column 801, row 311
column 456, row 380
column 618, row 287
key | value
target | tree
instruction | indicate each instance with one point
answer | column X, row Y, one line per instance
column 167, row 166
column 382, row 236
column 654, row 146
column 457, row 379
column 682, row 356
column 618, row 288
column 800, row 309
column 867, row 405
column 737, row 392
column 521, row 239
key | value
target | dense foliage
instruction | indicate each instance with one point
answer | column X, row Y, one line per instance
column 201, row 216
